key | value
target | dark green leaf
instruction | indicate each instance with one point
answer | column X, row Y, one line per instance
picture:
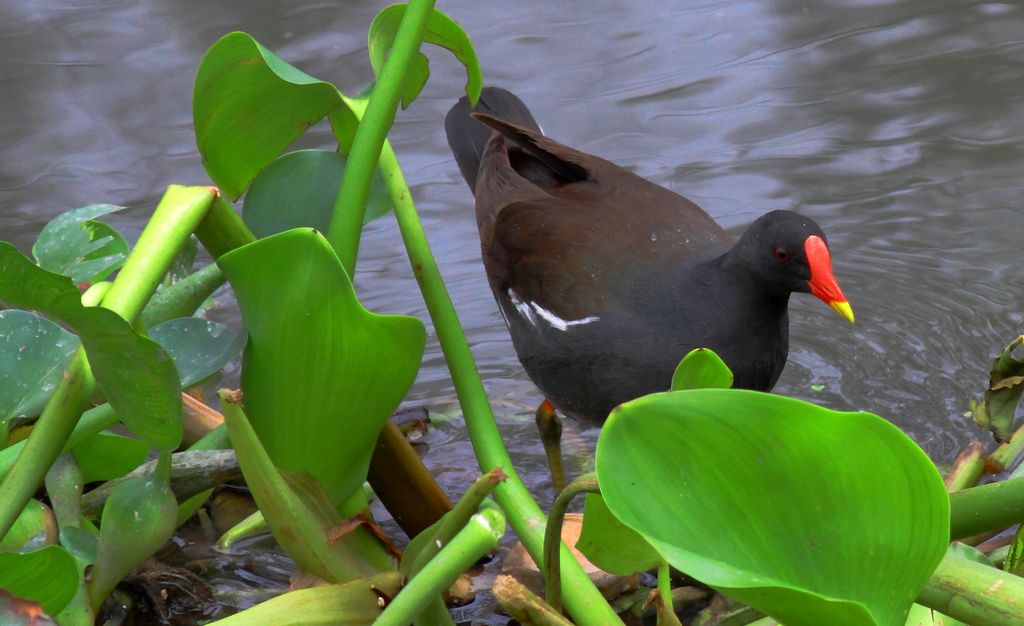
column 701, row 369
column 810, row 515
column 47, row 575
column 441, row 31
column 249, row 105
column 1005, row 385
column 320, row 373
column 135, row 373
column 299, row 188
column 610, row 544
column 75, row 245
column 138, row 519
column 199, row 347
column 106, row 456
column 34, row 353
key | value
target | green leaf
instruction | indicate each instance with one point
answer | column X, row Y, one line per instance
column 810, row 515
column 320, row 373
column 298, row 511
column 138, row 519
column 75, row 245
column 441, row 31
column 34, row 353
column 299, row 188
column 248, row 105
column 47, row 575
column 135, row 373
column 923, row 616
column 1005, row 385
column 199, row 347
column 106, row 456
column 610, row 544
column 353, row 604
column 34, row 528
column 701, row 369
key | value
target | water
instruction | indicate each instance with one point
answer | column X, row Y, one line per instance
column 896, row 126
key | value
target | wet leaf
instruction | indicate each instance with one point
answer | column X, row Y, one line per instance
column 106, row 456
column 441, row 31
column 1005, row 384
column 47, row 576
column 134, row 372
column 843, row 524
column 138, row 518
column 248, row 105
column 610, row 544
column 320, row 373
column 34, row 528
column 199, row 347
column 701, row 369
column 75, row 245
column 299, row 188
column 34, row 353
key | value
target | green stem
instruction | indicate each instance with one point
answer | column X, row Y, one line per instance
column 45, row 443
column 184, row 297
column 458, row 517
column 93, row 421
column 974, row 593
column 252, row 524
column 584, row 600
column 478, row 538
column 586, row 483
column 174, row 220
column 967, row 469
column 222, row 230
column 666, row 612
column 350, row 205
column 989, row 507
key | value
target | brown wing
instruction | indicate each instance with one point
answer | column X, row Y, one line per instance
column 572, row 232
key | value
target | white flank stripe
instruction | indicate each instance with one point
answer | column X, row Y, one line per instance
column 531, row 310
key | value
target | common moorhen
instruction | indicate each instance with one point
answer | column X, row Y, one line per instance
column 606, row 280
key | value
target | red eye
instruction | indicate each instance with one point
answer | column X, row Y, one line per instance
column 781, row 254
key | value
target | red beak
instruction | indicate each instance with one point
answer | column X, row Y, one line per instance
column 823, row 283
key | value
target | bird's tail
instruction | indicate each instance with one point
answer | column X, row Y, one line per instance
column 467, row 137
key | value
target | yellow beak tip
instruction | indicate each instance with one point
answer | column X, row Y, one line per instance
column 844, row 309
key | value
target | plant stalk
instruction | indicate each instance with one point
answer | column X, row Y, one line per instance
column 350, row 205
column 990, row 507
column 478, row 538
column 586, row 483
column 584, row 601
column 974, row 593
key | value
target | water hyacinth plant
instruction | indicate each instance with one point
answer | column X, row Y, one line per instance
column 793, row 511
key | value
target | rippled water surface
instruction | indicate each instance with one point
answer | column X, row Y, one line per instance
column 897, row 126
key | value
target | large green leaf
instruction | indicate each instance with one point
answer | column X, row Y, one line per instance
column 320, row 373
column 299, row 188
column 134, row 372
column 48, row 576
column 441, row 31
column 810, row 515
column 75, row 245
column 248, row 105
column 34, row 528
column 33, row 355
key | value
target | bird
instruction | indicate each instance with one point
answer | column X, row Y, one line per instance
column 606, row 280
